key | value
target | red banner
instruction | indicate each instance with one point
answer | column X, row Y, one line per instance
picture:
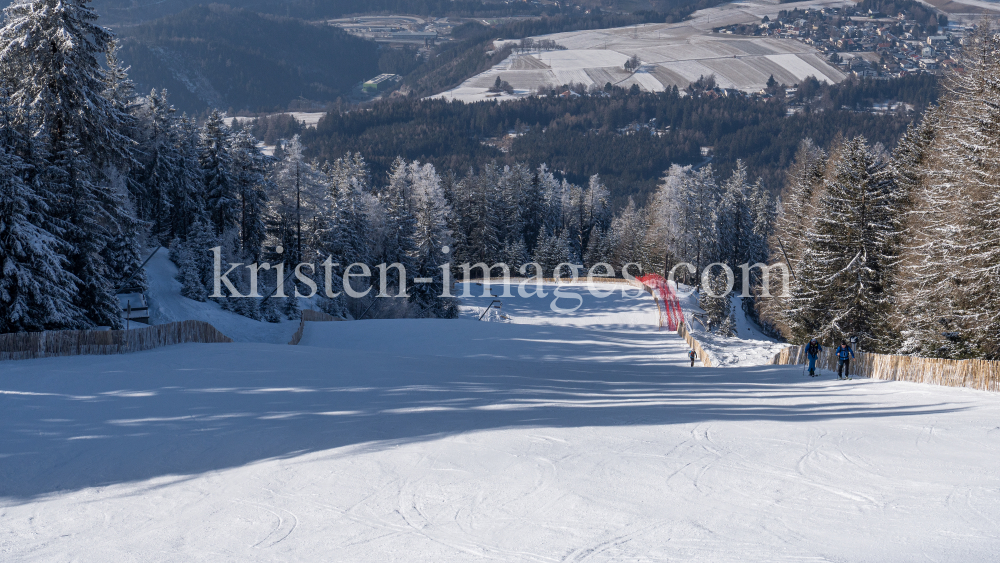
column 666, row 300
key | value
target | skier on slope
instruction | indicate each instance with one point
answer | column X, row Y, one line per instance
column 812, row 352
column 844, row 355
column 693, row 356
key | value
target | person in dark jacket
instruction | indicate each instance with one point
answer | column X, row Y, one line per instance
column 693, row 357
column 844, row 355
column 812, row 352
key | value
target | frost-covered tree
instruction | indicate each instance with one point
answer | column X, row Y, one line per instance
column 714, row 300
column 926, row 292
column 684, row 220
column 551, row 251
column 51, row 53
column 50, row 57
column 431, row 237
column 36, row 292
column 627, row 239
column 736, row 229
column 787, row 241
column 953, row 248
column 159, row 175
column 194, row 261
column 253, row 182
column 846, row 282
column 299, row 194
column 216, row 160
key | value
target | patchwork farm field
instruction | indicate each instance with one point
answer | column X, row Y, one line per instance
column 671, row 55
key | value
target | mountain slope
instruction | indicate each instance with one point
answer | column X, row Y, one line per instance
column 230, row 58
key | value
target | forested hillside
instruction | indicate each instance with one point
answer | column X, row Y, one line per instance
column 902, row 250
column 585, row 135
column 125, row 11
column 216, row 56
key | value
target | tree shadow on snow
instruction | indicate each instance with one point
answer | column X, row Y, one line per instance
column 72, row 423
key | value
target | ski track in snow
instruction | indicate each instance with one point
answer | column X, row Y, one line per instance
column 537, row 437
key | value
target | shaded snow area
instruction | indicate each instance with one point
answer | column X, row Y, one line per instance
column 749, row 348
column 167, row 305
column 545, row 438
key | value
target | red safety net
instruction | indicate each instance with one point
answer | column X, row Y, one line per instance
column 666, row 300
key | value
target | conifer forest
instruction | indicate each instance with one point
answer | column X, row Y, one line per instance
column 893, row 240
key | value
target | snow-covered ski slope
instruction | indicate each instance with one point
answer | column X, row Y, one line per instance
column 544, row 438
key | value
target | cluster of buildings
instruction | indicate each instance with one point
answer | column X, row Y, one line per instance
column 867, row 44
column 398, row 30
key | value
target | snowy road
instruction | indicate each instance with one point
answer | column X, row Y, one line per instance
column 460, row 440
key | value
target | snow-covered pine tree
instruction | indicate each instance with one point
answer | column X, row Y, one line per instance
column 120, row 93
column 628, row 232
column 704, row 205
column 736, row 227
column 195, row 264
column 342, row 230
column 394, row 240
column 793, row 219
column 684, row 220
column 299, row 194
column 715, row 302
column 847, row 281
column 594, row 210
column 600, row 248
column 974, row 118
column 532, row 211
column 253, row 183
column 484, row 239
column 51, row 53
column 551, row 251
column 925, row 289
column 89, row 213
column 670, row 226
column 216, row 160
column 187, row 198
column 431, row 236
column 157, row 176
column 36, row 292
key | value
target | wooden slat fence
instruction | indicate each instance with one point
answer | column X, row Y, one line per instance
column 308, row 315
column 974, row 374
column 28, row 345
column 703, row 355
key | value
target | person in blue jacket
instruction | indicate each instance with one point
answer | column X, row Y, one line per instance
column 812, row 352
column 692, row 356
column 844, row 355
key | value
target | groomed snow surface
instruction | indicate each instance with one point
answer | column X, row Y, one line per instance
column 542, row 437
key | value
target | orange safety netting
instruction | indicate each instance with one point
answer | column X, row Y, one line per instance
column 669, row 307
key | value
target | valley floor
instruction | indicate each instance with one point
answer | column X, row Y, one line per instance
column 544, row 438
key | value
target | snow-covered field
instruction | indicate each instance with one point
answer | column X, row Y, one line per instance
column 672, row 55
column 544, row 437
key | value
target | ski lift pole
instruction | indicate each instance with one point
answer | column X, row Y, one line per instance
column 488, row 308
column 141, row 266
column 275, row 290
column 374, row 301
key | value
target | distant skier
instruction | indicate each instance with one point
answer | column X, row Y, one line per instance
column 844, row 355
column 812, row 352
column 693, row 357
